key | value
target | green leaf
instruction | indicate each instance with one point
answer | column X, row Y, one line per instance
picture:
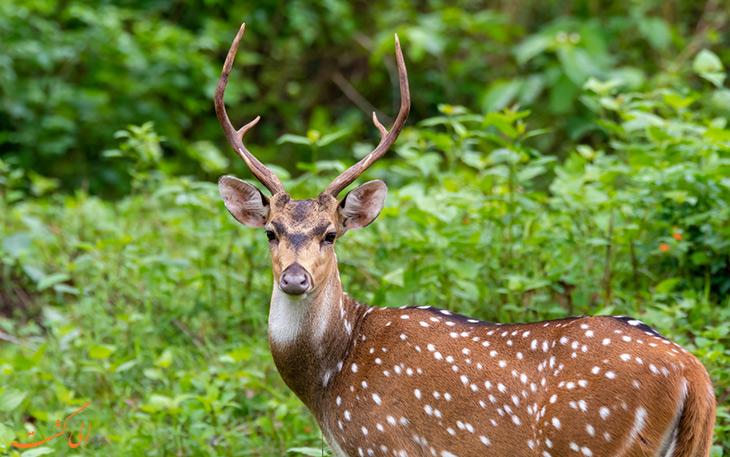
column 657, row 134
column 125, row 366
column 667, row 285
column 290, row 138
column 502, row 155
column 431, row 121
column 502, row 123
column 715, row 78
column 66, row 289
column 100, row 352
column 707, row 62
column 21, row 362
column 677, row 101
column 394, row 277
column 38, row 354
column 34, row 273
column 531, row 47
column 242, row 353
column 112, row 153
column 152, row 373
column 709, row 66
column 601, row 87
column 6, row 435
column 52, row 279
column 16, row 244
column 716, row 450
column 500, row 94
column 641, row 120
column 158, row 402
column 165, row 359
column 656, row 31
column 11, row 399
column 577, row 64
column 530, row 172
column 719, row 135
column 35, row 452
column 331, row 137
column 309, row 451
column 721, row 98
column 211, row 159
column 586, row 151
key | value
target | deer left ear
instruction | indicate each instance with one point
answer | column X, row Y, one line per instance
column 245, row 202
column 362, row 205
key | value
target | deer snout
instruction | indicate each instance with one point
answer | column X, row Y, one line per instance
column 295, row 280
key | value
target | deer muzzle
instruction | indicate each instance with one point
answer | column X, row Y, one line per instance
column 295, row 280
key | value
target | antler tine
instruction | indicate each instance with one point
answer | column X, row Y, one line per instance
column 235, row 137
column 387, row 138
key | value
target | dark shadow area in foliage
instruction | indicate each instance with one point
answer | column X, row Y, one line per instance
column 73, row 73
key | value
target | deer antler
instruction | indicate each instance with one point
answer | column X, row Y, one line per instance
column 387, row 138
column 235, row 137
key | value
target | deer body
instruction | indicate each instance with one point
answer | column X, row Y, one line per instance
column 420, row 381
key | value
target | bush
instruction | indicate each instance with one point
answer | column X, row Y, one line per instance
column 72, row 73
column 154, row 307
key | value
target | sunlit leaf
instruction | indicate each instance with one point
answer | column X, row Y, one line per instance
column 10, row 399
column 667, row 285
column 52, row 280
column 100, row 352
column 165, row 359
column 7, row 436
column 290, row 138
column 394, row 277
column 38, row 451
column 709, row 66
column 308, row 451
column 332, row 137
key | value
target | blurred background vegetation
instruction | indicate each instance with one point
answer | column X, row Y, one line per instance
column 561, row 158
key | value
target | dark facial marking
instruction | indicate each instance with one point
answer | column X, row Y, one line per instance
column 301, row 209
column 297, row 240
column 280, row 229
column 319, row 230
column 297, row 212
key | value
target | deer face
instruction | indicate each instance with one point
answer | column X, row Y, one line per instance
column 302, row 233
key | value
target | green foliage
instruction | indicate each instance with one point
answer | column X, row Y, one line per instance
column 154, row 307
column 147, row 308
column 72, row 73
column 581, row 166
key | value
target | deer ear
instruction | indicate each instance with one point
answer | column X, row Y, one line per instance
column 362, row 205
column 245, row 202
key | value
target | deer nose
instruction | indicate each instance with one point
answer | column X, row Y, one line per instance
column 295, row 280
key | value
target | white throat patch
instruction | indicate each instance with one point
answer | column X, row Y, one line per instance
column 286, row 316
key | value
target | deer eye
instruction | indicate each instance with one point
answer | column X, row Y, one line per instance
column 330, row 237
column 270, row 235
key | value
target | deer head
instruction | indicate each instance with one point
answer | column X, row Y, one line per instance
column 302, row 233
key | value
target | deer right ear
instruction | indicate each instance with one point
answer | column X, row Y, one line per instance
column 245, row 202
column 362, row 204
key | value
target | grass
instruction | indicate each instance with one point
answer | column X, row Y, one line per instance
column 157, row 316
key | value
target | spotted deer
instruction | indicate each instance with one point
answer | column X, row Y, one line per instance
column 423, row 381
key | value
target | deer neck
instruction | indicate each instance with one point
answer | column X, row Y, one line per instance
column 310, row 335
